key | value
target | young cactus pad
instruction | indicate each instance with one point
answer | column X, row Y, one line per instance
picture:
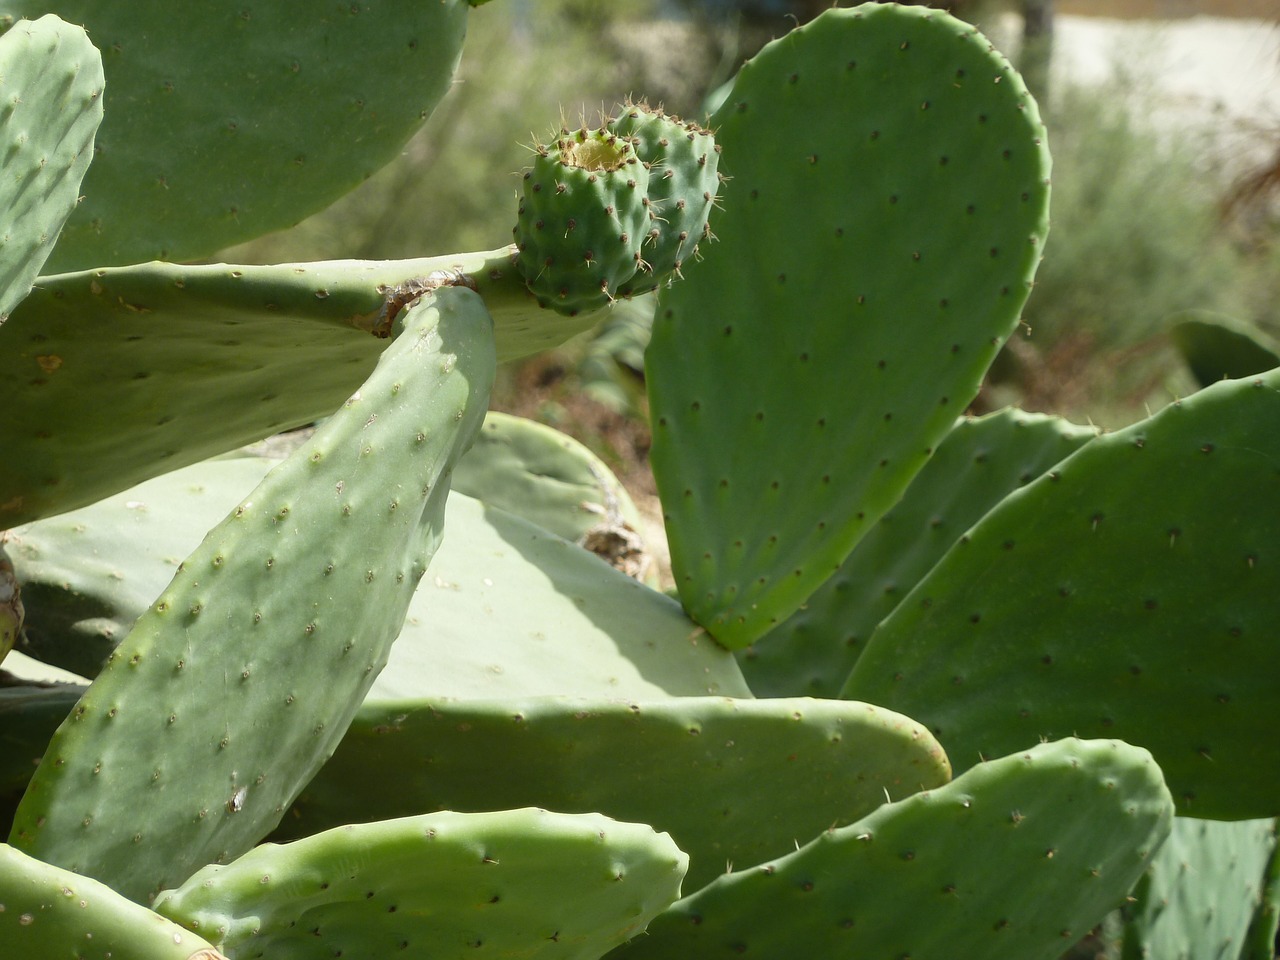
column 234, row 119
column 279, row 621
column 1131, row 591
column 884, row 210
column 47, row 913
column 50, row 107
column 1019, row 857
column 583, row 214
column 516, row 885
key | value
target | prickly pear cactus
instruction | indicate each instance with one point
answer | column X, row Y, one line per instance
column 49, row 912
column 201, row 149
column 515, row 885
column 50, row 107
column 1075, row 824
column 682, row 159
column 884, row 210
column 1130, row 591
column 583, row 214
column 279, row 621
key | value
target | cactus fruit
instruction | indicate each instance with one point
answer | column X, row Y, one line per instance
column 975, row 466
column 279, row 621
column 682, row 159
column 719, row 775
column 199, row 152
column 50, row 107
column 583, row 214
column 47, row 912
column 1075, row 823
column 870, row 263
column 1199, row 895
column 1131, row 591
column 515, row 885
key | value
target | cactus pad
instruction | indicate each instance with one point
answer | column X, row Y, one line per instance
column 1017, row 858
column 47, row 912
column 1218, row 347
column 516, row 885
column 126, row 373
column 1199, row 894
column 583, row 214
column 1131, row 591
column 682, row 159
column 278, row 622
column 719, row 775
column 885, row 205
column 235, row 119
column 50, row 107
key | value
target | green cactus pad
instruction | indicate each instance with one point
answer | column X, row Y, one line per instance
column 1017, row 858
column 682, row 159
column 1132, row 591
column 47, row 913
column 539, row 473
column 521, row 885
column 278, row 622
column 233, row 120
column 975, row 466
column 1218, row 347
column 721, row 776
column 1199, row 894
column 508, row 610
column 50, row 107
column 884, row 210
column 124, row 374
column 581, row 220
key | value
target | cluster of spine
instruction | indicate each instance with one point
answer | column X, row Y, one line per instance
column 614, row 211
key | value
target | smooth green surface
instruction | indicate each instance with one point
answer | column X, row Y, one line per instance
column 1200, row 893
column 1017, row 858
column 507, row 610
column 980, row 461
column 735, row 782
column 53, row 914
column 884, row 212
column 50, row 107
column 521, row 885
column 1132, row 591
column 124, row 374
column 239, row 117
column 239, row 681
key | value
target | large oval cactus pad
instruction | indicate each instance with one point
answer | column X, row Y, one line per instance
column 884, row 211
column 1132, row 591
column 721, row 776
column 126, row 373
column 1019, row 857
column 50, row 107
column 234, row 119
column 515, row 885
column 246, row 671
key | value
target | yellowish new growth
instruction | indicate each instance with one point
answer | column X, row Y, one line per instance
column 593, row 153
